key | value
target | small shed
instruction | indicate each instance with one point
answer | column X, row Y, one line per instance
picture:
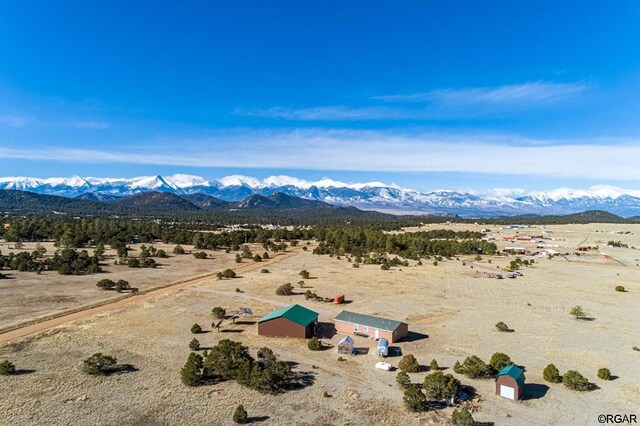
column 510, row 383
column 339, row 299
column 346, row 346
column 290, row 321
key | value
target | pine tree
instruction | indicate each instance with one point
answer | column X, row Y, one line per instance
column 433, row 366
column 240, row 415
column 414, row 399
column 409, row 364
column 438, row 386
column 551, row 374
column 462, row 418
column 191, row 373
column 403, row 380
column 7, row 368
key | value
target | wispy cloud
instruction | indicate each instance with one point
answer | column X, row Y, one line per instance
column 330, row 113
column 12, row 121
column 98, row 125
column 530, row 93
column 349, row 150
column 441, row 104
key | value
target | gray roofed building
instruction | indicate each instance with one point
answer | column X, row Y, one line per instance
column 369, row 320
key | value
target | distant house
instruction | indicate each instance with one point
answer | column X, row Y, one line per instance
column 510, row 383
column 290, row 321
column 548, row 252
column 517, row 250
column 367, row 325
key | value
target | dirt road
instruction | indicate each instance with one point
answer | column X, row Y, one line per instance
column 327, row 314
column 98, row 308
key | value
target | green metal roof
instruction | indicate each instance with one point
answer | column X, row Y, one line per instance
column 296, row 313
column 515, row 372
column 368, row 320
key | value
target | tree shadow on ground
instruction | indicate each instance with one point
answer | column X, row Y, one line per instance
column 231, row 331
column 257, row 419
column 24, row 371
column 534, row 391
column 302, row 380
column 126, row 368
column 435, row 405
column 212, row 380
column 468, row 390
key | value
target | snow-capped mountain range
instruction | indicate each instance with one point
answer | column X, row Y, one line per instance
column 370, row 195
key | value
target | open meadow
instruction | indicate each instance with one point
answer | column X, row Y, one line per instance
column 451, row 309
column 27, row 296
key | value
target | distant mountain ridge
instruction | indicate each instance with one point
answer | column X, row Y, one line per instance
column 369, row 195
column 155, row 203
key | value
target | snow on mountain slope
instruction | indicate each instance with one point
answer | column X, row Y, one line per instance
column 369, row 195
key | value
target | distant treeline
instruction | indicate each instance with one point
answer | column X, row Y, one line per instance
column 414, row 245
column 357, row 240
column 591, row 216
column 65, row 261
column 89, row 232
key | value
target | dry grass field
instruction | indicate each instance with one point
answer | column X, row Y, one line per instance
column 27, row 295
column 450, row 310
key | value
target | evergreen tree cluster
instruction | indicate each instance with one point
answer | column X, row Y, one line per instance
column 230, row 360
column 360, row 242
column 65, row 261
column 475, row 368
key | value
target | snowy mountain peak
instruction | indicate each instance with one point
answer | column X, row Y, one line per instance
column 186, row 181
column 240, row 180
column 367, row 195
column 152, row 183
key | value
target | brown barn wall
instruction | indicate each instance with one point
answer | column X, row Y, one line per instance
column 282, row 327
column 509, row 381
column 401, row 332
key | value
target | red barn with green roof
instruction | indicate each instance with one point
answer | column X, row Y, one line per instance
column 510, row 383
column 290, row 321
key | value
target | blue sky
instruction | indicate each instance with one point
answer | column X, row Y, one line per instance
column 425, row 94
